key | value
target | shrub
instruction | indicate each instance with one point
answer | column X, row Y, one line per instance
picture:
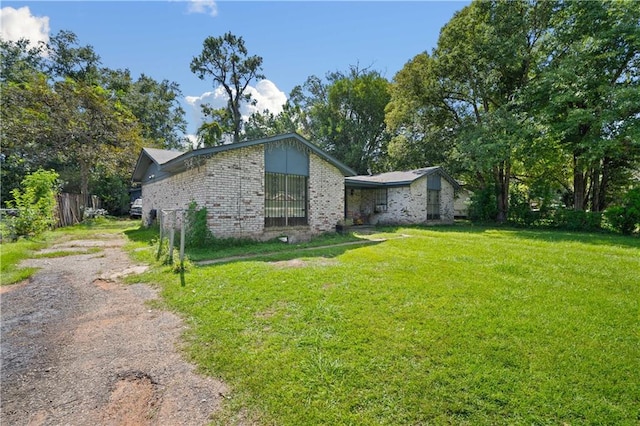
column 520, row 212
column 625, row 218
column 35, row 203
column 197, row 233
column 483, row 206
column 576, row 220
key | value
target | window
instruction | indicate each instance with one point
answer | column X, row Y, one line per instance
column 433, row 197
column 433, row 204
column 380, row 200
column 286, row 182
column 285, row 200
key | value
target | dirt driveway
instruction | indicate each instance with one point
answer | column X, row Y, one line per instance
column 80, row 348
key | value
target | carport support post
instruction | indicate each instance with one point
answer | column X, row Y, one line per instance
column 182, row 232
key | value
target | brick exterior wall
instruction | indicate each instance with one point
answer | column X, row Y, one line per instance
column 230, row 185
column 326, row 195
column 405, row 204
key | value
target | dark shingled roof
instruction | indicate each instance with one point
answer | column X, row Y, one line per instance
column 161, row 156
column 401, row 178
column 175, row 162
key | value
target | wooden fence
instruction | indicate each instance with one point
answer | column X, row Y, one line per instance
column 70, row 206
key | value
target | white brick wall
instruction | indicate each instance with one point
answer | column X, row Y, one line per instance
column 405, row 204
column 230, row 185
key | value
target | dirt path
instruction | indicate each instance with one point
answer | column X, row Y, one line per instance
column 80, row 348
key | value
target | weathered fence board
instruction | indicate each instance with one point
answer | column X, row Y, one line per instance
column 70, row 207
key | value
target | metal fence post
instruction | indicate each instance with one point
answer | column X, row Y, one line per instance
column 182, row 235
column 160, row 221
column 172, row 235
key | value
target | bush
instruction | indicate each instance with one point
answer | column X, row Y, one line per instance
column 35, row 203
column 520, row 212
column 625, row 218
column 197, row 233
column 576, row 220
column 483, row 207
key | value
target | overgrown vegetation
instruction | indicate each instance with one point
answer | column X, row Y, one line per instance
column 459, row 325
column 626, row 217
column 35, row 204
column 197, row 233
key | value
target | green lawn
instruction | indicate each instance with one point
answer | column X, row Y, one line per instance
column 456, row 325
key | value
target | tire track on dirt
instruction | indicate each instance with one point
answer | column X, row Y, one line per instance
column 78, row 347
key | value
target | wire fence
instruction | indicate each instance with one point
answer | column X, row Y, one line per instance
column 170, row 221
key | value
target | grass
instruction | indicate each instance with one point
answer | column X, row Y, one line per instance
column 12, row 253
column 458, row 325
column 226, row 248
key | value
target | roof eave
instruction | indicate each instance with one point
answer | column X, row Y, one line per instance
column 349, row 183
column 178, row 164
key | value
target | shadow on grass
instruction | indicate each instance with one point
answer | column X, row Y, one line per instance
column 327, row 251
column 142, row 234
column 603, row 237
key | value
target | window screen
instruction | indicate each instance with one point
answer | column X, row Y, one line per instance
column 433, row 204
column 381, row 200
column 285, row 200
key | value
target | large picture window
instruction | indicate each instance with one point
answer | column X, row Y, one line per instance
column 285, row 200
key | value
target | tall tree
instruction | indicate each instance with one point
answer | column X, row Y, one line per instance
column 19, row 60
column 227, row 61
column 346, row 116
column 26, row 111
column 467, row 91
column 155, row 104
column 265, row 124
column 587, row 95
column 68, row 59
column 94, row 130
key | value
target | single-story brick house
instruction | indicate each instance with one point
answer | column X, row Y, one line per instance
column 260, row 189
column 422, row 196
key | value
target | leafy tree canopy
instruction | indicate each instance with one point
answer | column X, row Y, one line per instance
column 227, row 61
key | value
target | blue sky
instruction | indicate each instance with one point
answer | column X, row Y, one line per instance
column 295, row 38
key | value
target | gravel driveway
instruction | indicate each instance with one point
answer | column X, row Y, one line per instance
column 80, row 348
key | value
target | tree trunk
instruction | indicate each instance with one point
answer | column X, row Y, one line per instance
column 579, row 185
column 502, row 185
column 594, row 189
column 84, row 183
column 604, row 181
column 237, row 119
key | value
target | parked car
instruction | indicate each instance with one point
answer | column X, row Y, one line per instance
column 136, row 209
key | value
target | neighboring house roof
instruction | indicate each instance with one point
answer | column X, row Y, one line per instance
column 149, row 156
column 397, row 178
column 174, row 162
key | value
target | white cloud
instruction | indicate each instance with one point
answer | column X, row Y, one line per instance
column 265, row 93
column 16, row 24
column 208, row 7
